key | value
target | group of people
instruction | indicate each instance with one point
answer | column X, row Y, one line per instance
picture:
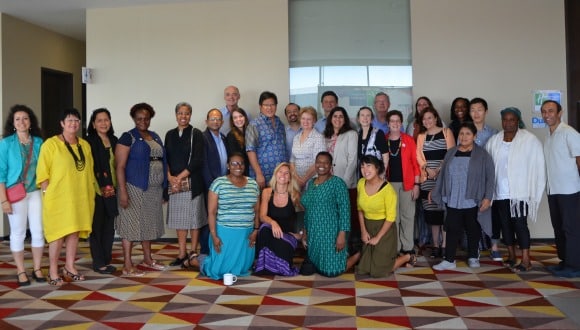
column 250, row 191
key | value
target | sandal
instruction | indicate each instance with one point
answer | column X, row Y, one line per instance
column 71, row 277
column 153, row 266
column 39, row 279
column 132, row 273
column 188, row 264
column 509, row 263
column 520, row 268
column 55, row 281
column 412, row 261
column 22, row 283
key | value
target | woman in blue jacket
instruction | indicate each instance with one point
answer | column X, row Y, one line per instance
column 19, row 151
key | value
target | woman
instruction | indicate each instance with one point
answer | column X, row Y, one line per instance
column 233, row 220
column 403, row 176
column 186, row 209
column 414, row 126
column 100, row 135
column 236, row 138
column 142, row 176
column 65, row 176
column 377, row 209
column 459, row 114
column 465, row 186
column 341, row 142
column 326, row 219
column 19, row 151
column 432, row 145
column 278, row 236
column 306, row 145
column 371, row 140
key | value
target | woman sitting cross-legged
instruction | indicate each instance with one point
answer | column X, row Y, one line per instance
column 277, row 238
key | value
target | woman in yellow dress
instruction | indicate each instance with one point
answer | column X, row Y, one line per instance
column 65, row 176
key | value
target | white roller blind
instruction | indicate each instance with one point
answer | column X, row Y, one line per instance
column 349, row 32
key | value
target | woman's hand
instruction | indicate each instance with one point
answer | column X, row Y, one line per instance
column 261, row 181
column 340, row 241
column 252, row 238
column 374, row 241
column 364, row 235
column 173, row 183
column 7, row 207
column 123, row 199
column 415, row 192
column 217, row 243
column 485, row 203
column 276, row 230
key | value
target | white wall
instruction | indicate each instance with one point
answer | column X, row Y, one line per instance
column 496, row 49
column 164, row 54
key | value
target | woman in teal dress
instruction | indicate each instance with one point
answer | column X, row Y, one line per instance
column 327, row 219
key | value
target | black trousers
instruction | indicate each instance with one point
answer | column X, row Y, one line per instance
column 457, row 222
column 102, row 236
column 512, row 227
column 565, row 215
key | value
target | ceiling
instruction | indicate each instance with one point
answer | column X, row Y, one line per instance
column 66, row 16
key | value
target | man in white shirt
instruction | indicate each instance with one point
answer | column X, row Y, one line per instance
column 562, row 154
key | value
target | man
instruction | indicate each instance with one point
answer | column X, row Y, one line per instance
column 328, row 100
column 292, row 112
column 231, row 96
column 214, row 165
column 216, row 153
column 562, row 152
column 382, row 104
column 520, row 180
column 266, row 140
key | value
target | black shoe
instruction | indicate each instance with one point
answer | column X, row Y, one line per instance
column 178, row 261
column 22, row 283
column 38, row 279
column 433, row 253
column 107, row 270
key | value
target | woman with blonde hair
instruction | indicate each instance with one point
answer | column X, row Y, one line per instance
column 278, row 236
column 307, row 144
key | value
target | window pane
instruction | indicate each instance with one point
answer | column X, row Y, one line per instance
column 344, row 76
column 391, row 75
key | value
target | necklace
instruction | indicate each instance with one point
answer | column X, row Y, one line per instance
column 79, row 163
column 281, row 193
column 395, row 154
column 25, row 142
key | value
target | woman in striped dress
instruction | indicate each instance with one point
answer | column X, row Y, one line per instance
column 232, row 207
column 432, row 145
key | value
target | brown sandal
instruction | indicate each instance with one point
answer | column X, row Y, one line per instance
column 56, row 281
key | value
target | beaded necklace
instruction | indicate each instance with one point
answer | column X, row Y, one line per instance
column 79, row 163
column 395, row 154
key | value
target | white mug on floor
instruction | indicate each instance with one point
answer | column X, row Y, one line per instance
column 230, row 279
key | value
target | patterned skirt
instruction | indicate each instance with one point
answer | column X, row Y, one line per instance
column 186, row 213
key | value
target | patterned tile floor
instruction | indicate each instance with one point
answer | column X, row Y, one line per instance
column 490, row 297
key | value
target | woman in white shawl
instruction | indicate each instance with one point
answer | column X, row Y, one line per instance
column 520, row 180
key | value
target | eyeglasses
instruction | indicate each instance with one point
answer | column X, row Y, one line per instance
column 214, row 119
column 237, row 163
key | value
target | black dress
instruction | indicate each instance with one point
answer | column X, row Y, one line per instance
column 275, row 256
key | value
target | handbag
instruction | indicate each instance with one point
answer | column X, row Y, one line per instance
column 17, row 192
column 185, row 183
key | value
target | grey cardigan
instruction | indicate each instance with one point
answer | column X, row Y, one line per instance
column 480, row 181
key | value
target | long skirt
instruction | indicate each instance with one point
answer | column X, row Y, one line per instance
column 275, row 255
column 378, row 260
column 236, row 256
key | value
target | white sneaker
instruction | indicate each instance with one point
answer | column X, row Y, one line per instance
column 444, row 265
column 473, row 263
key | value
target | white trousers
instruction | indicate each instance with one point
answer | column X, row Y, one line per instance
column 26, row 212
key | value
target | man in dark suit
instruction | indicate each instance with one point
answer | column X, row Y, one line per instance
column 216, row 158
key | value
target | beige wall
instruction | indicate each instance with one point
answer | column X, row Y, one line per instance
column 25, row 49
column 496, row 49
column 164, row 54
